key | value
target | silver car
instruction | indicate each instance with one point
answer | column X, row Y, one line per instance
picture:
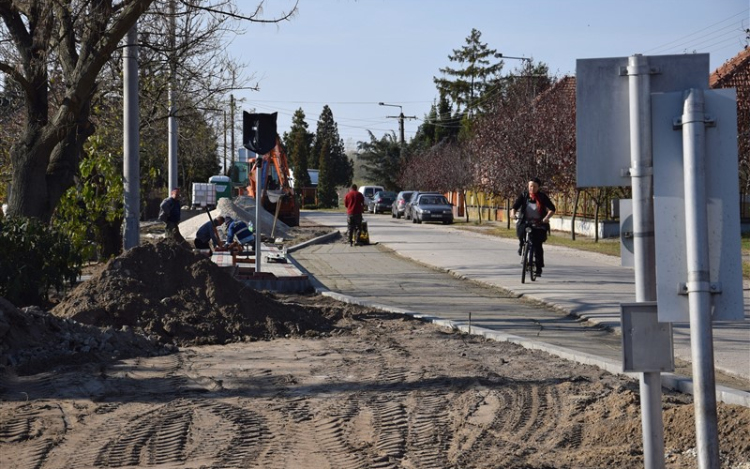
column 431, row 207
column 399, row 205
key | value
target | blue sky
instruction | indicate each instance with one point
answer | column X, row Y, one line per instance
column 352, row 54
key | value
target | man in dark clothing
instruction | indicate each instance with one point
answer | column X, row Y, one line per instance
column 535, row 208
column 354, row 202
column 170, row 213
column 238, row 231
column 207, row 234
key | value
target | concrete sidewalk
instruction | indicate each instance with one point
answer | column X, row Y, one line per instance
column 586, row 285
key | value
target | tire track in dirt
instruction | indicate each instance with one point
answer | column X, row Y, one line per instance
column 427, row 425
column 33, row 426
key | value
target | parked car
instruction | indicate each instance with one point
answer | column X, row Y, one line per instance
column 432, row 207
column 368, row 192
column 408, row 212
column 399, row 205
column 381, row 201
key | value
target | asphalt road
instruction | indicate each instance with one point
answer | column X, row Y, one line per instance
column 423, row 270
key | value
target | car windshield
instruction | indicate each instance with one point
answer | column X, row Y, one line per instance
column 433, row 200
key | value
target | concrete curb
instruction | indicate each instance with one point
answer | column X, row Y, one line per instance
column 320, row 239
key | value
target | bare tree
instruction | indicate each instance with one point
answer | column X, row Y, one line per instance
column 54, row 52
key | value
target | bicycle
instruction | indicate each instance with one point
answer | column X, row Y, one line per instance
column 528, row 255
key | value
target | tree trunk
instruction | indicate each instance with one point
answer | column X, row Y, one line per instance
column 596, row 216
column 45, row 159
column 507, row 213
column 466, row 205
column 575, row 211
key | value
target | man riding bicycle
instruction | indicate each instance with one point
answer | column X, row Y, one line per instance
column 535, row 209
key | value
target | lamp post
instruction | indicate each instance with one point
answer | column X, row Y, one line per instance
column 400, row 118
column 517, row 58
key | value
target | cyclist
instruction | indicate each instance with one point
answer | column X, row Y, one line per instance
column 535, row 208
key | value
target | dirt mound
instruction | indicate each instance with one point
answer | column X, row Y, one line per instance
column 176, row 296
column 32, row 340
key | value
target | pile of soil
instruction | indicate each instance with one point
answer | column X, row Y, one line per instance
column 32, row 340
column 175, row 296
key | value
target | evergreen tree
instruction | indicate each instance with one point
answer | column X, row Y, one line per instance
column 439, row 125
column 299, row 146
column 382, row 160
column 481, row 67
column 327, row 197
column 340, row 168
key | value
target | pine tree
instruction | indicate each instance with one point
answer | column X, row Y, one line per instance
column 472, row 82
column 299, row 146
column 327, row 197
column 341, row 169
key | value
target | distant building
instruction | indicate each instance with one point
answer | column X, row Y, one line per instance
column 309, row 194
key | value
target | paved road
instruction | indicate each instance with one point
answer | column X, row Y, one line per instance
column 588, row 286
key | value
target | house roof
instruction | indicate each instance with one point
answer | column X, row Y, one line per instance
column 734, row 70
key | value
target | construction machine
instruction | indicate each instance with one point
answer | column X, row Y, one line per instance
column 277, row 194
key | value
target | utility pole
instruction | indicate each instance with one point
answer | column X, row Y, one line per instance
column 400, row 118
column 131, row 141
column 231, row 120
column 172, row 98
column 225, row 142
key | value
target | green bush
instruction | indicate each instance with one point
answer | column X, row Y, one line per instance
column 34, row 258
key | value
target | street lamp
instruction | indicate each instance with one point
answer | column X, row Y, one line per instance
column 400, row 118
column 517, row 58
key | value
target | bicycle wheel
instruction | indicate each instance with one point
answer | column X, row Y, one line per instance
column 532, row 264
column 524, row 262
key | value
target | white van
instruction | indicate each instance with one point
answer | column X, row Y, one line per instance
column 368, row 192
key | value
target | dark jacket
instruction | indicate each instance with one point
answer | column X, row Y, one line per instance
column 523, row 199
column 169, row 210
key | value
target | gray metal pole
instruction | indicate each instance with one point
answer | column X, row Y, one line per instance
column 131, row 139
column 699, row 281
column 641, row 173
column 172, row 119
column 401, row 128
column 225, row 143
column 258, row 198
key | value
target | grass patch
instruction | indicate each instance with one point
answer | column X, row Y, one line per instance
column 608, row 246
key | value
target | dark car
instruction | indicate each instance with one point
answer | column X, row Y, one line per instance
column 432, row 207
column 381, row 201
column 399, row 205
column 408, row 212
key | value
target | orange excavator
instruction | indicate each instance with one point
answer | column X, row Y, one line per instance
column 277, row 196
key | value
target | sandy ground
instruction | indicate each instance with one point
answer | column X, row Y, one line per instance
column 134, row 370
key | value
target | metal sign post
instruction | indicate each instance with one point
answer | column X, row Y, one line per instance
column 699, row 271
column 258, row 198
column 699, row 281
column 641, row 166
column 613, row 139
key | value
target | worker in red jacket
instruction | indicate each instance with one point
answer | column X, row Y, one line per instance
column 354, row 202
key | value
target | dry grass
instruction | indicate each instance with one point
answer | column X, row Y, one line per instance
column 608, row 246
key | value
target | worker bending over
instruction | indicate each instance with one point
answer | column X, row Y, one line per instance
column 239, row 234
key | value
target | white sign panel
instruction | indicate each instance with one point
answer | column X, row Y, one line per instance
column 603, row 110
column 723, row 211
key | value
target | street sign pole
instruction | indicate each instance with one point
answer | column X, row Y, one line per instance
column 698, row 286
column 641, row 173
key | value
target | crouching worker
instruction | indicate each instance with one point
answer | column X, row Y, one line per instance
column 239, row 234
column 207, row 234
